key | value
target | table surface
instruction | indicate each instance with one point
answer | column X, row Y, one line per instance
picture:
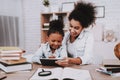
column 25, row 75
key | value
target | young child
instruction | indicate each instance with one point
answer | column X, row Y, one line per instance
column 53, row 48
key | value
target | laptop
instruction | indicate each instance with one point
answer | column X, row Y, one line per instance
column 49, row 62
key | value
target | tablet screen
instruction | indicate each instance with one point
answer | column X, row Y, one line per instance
column 49, row 62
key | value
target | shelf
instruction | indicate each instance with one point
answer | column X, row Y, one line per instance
column 47, row 17
column 46, row 29
column 54, row 13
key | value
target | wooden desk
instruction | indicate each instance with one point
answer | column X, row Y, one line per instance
column 25, row 75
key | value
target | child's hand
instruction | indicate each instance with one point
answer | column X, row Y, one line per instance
column 52, row 56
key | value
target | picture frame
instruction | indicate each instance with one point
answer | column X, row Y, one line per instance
column 109, row 36
column 100, row 11
column 67, row 6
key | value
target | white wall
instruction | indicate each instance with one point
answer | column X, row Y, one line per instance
column 105, row 50
column 31, row 15
column 13, row 8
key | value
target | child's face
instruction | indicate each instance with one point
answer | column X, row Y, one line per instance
column 55, row 40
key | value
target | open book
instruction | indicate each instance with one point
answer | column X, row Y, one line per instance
column 66, row 73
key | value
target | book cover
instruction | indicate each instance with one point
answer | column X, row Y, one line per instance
column 59, row 73
column 10, row 58
column 15, row 67
column 10, row 50
column 111, row 63
column 12, row 54
column 113, row 69
column 21, row 60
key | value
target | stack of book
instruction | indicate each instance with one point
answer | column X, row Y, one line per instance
column 110, row 67
column 10, row 53
column 15, row 65
column 11, row 60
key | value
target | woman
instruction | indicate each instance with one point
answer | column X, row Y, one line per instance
column 79, row 42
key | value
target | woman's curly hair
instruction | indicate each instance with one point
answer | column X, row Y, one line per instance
column 84, row 13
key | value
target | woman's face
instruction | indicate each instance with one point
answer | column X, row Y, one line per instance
column 55, row 40
column 75, row 28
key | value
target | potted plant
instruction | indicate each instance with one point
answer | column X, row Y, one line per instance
column 46, row 4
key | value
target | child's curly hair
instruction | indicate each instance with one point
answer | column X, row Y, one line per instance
column 56, row 26
column 84, row 13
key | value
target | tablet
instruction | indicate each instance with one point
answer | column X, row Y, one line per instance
column 49, row 62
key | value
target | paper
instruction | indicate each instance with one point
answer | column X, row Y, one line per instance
column 62, row 73
column 76, row 74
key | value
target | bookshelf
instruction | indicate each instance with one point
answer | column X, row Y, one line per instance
column 47, row 17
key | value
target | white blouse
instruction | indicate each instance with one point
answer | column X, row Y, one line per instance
column 82, row 47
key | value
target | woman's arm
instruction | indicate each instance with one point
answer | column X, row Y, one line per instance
column 63, row 52
column 87, row 58
column 69, row 61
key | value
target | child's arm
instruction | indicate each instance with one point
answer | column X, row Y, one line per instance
column 38, row 54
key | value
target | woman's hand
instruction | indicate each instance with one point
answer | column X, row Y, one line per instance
column 69, row 61
column 64, row 62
